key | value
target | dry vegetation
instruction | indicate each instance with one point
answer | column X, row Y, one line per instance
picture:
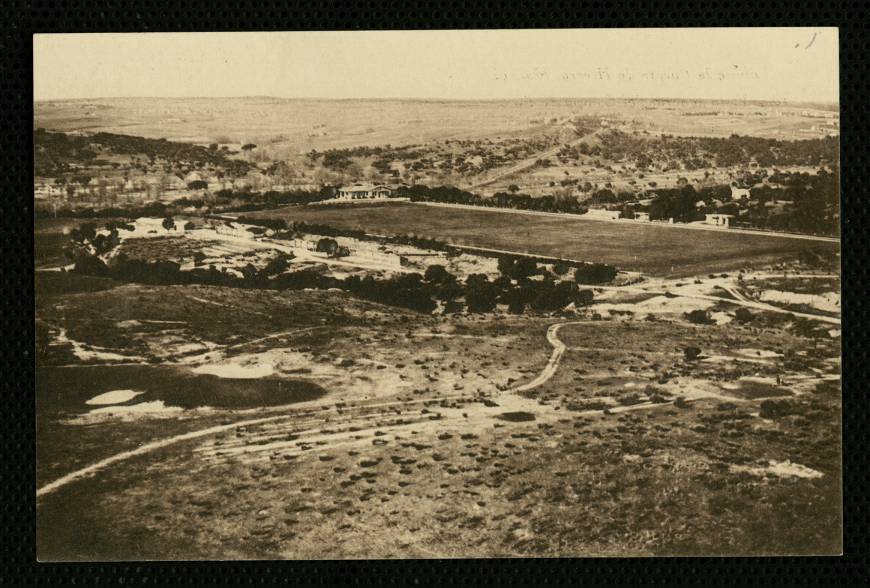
column 419, row 444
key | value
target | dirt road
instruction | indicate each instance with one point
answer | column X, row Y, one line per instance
column 366, row 418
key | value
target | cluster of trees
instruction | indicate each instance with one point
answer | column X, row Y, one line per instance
column 698, row 152
column 149, row 209
column 220, row 201
column 810, row 203
column 413, row 290
column 521, row 284
column 451, row 195
column 56, row 153
column 342, row 159
column 681, row 203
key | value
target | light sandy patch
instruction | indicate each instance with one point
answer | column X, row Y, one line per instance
column 828, row 302
column 155, row 408
column 113, row 397
column 763, row 353
column 759, row 380
column 721, row 318
column 679, row 305
column 237, row 369
column 781, row 469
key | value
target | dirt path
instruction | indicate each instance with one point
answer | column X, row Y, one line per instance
column 347, row 435
column 297, row 433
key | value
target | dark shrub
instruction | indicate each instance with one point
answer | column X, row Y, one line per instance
column 699, row 317
column 594, row 273
column 516, row 417
column 90, row 265
column 775, row 409
column 523, row 268
column 277, row 265
column 584, row 297
column 692, row 353
column 743, row 315
column 438, row 274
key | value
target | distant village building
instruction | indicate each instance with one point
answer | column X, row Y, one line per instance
column 642, row 217
column 718, row 220
column 363, row 192
column 602, row 214
column 47, row 191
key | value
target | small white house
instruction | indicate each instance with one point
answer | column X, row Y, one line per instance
column 642, row 217
column 718, row 220
column 363, row 192
column 602, row 214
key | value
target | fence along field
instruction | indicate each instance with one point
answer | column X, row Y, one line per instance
column 655, row 250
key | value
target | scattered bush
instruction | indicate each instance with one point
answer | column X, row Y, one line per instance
column 699, row 317
column 692, row 353
column 743, row 315
column 775, row 409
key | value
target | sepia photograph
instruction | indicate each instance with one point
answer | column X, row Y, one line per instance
column 514, row 293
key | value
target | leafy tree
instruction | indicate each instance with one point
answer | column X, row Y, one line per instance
column 523, row 268
column 692, row 353
column 327, row 245
column 277, row 265
column 438, row 274
column 699, row 317
column 480, row 294
column 594, row 273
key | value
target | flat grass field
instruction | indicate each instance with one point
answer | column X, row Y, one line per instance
column 655, row 250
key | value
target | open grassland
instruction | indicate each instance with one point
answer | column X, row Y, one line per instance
column 656, row 250
column 425, row 443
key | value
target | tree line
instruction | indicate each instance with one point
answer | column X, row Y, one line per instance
column 518, row 201
column 522, row 283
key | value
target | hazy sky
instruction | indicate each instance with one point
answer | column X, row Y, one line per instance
column 797, row 64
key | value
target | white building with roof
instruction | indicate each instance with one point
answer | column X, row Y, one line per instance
column 363, row 192
column 718, row 220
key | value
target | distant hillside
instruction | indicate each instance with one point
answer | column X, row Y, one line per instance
column 60, row 153
column 304, row 124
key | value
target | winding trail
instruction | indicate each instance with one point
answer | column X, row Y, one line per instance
column 352, row 433
column 545, row 375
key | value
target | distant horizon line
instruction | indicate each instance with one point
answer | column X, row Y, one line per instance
column 427, row 99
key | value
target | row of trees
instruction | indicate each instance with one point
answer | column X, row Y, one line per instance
column 451, row 195
column 413, row 290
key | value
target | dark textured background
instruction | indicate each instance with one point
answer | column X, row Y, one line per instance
column 18, row 565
